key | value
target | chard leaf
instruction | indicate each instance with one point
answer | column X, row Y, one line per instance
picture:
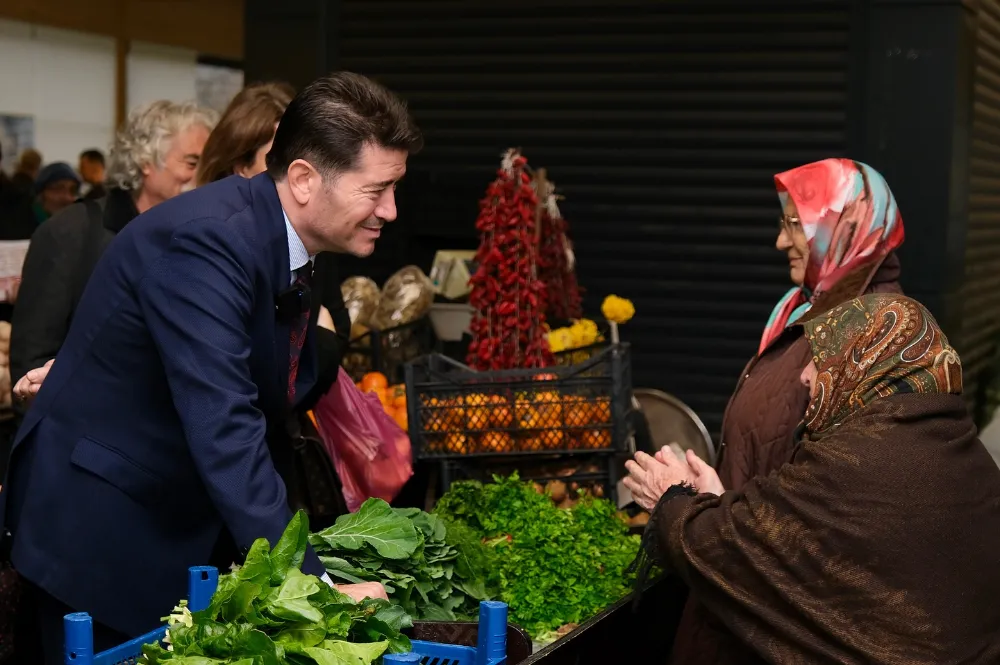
column 342, row 569
column 290, row 550
column 346, row 653
column 305, row 634
column 375, row 525
column 338, row 624
column 290, row 601
column 240, row 601
column 257, row 568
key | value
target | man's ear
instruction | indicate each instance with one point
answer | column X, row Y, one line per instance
column 303, row 181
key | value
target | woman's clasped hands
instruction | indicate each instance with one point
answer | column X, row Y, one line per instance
column 651, row 476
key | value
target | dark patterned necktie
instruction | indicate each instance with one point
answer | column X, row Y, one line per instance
column 303, row 278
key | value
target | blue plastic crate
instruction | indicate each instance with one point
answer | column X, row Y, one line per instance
column 491, row 644
column 78, row 644
column 491, row 648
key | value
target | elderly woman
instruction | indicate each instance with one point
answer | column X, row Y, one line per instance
column 839, row 228
column 877, row 542
column 154, row 157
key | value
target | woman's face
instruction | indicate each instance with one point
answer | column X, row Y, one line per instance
column 792, row 241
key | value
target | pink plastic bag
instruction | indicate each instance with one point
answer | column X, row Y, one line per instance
column 369, row 450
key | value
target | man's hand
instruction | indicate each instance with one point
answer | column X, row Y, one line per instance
column 649, row 478
column 359, row 592
column 29, row 384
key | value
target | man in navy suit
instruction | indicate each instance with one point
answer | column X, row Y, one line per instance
column 145, row 448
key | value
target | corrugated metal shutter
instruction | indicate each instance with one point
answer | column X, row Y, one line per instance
column 661, row 122
column 981, row 288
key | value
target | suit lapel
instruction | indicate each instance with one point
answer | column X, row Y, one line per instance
column 271, row 225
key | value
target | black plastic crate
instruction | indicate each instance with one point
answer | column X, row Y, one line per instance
column 388, row 351
column 455, row 411
column 596, row 474
column 580, row 355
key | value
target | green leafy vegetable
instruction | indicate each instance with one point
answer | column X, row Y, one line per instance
column 433, row 570
column 375, row 525
column 556, row 566
column 268, row 612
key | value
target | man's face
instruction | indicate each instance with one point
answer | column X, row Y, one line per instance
column 348, row 214
column 91, row 171
column 59, row 194
column 179, row 166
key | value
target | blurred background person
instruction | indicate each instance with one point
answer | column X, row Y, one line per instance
column 29, row 163
column 56, row 187
column 92, row 173
column 16, row 219
column 154, row 157
column 241, row 139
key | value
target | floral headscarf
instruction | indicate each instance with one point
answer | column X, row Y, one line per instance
column 872, row 347
column 849, row 217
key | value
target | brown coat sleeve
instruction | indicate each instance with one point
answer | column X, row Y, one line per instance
column 797, row 564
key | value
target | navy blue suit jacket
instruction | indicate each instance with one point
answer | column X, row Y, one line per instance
column 147, row 438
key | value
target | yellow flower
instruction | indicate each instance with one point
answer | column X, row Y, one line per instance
column 617, row 310
column 560, row 339
column 584, row 332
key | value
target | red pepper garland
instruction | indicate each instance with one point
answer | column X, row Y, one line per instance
column 555, row 260
column 507, row 297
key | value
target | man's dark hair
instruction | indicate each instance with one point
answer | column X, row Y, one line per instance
column 93, row 155
column 332, row 118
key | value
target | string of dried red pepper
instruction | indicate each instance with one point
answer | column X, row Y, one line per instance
column 555, row 253
column 507, row 296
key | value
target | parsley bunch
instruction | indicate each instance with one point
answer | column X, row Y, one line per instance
column 556, row 566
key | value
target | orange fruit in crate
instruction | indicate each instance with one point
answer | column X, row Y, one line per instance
column 553, row 439
column 401, row 418
column 477, row 418
column 545, row 377
column 530, row 443
column 527, row 415
column 477, row 399
column 600, row 413
column 456, row 443
column 596, row 438
column 577, row 412
column 372, row 381
column 397, row 395
column 501, row 415
column 497, row 442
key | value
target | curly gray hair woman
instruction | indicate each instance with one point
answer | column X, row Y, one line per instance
column 154, row 157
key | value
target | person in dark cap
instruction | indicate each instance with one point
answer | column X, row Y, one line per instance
column 56, row 187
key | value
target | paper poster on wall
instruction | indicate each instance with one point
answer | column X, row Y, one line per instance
column 12, row 254
column 17, row 133
column 216, row 85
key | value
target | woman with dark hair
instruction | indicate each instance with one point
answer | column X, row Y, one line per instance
column 244, row 133
column 877, row 542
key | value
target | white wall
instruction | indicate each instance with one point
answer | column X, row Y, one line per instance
column 65, row 80
column 160, row 72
